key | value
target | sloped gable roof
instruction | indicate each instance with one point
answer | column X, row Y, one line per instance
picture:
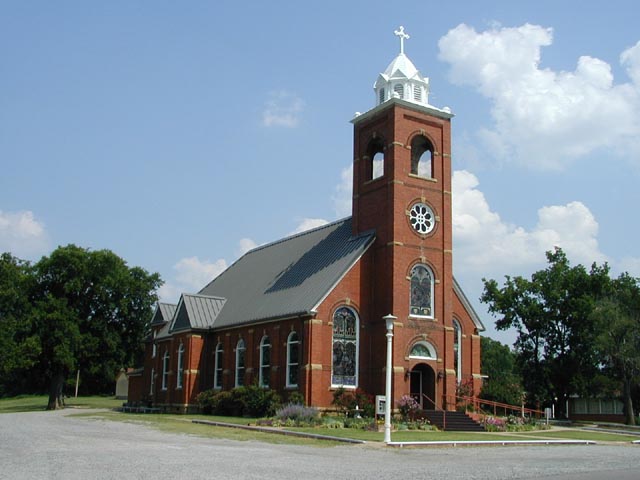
column 196, row 312
column 467, row 305
column 163, row 313
column 288, row 277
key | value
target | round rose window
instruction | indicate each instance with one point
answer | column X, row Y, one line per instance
column 422, row 218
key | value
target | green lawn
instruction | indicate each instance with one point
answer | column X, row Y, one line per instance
column 183, row 424
column 577, row 434
column 34, row 403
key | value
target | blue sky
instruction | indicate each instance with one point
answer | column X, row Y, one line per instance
column 180, row 134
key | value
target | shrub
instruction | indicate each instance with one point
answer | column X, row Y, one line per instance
column 358, row 423
column 295, row 397
column 493, row 424
column 332, row 422
column 407, row 406
column 348, row 400
column 298, row 414
column 259, row 402
column 229, row 403
column 205, row 401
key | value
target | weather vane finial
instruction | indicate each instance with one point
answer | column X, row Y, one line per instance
column 403, row 36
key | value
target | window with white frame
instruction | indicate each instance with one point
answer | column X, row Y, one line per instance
column 240, row 359
column 217, row 380
column 457, row 349
column 293, row 349
column 423, row 350
column 180, row 369
column 165, row 370
column 344, row 368
column 421, row 291
column 264, row 378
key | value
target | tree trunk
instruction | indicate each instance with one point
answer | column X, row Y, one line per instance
column 629, row 417
column 55, row 392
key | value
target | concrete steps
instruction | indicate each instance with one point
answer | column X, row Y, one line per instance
column 452, row 421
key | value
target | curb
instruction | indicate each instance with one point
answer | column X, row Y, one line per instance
column 454, row 443
column 278, row 431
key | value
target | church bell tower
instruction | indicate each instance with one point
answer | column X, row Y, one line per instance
column 402, row 190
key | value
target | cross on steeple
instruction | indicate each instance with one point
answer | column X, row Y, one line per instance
column 403, row 36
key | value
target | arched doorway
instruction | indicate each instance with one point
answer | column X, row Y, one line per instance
column 423, row 386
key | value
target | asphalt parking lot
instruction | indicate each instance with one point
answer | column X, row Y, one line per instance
column 57, row 445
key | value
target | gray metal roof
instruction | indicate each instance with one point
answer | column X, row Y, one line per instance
column 288, row 277
column 467, row 304
column 163, row 313
column 196, row 312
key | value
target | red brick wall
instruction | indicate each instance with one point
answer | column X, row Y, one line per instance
column 383, row 204
column 377, row 285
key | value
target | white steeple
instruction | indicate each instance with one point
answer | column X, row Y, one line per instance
column 402, row 79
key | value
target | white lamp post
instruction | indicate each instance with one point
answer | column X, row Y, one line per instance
column 389, row 319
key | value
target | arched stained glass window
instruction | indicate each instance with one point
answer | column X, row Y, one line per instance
column 217, row 380
column 165, row 370
column 457, row 349
column 180, row 366
column 345, row 348
column 240, row 351
column 423, row 350
column 293, row 348
column 421, row 291
column 265, row 362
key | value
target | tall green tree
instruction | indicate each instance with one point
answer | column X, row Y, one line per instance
column 618, row 341
column 92, row 316
column 19, row 347
column 76, row 309
column 503, row 382
column 551, row 313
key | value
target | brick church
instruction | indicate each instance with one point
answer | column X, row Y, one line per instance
column 305, row 313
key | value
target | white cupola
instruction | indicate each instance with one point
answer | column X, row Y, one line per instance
column 402, row 79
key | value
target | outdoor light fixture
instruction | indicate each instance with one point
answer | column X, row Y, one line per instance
column 389, row 319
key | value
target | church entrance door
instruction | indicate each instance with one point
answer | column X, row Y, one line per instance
column 423, row 386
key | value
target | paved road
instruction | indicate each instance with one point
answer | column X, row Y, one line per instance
column 54, row 445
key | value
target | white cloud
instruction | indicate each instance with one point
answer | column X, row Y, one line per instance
column 245, row 245
column 195, row 273
column 282, row 109
column 630, row 265
column 308, row 224
column 342, row 196
column 543, row 118
column 22, row 235
column 192, row 274
column 486, row 244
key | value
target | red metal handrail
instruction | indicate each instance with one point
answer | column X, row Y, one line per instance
column 478, row 402
column 436, row 408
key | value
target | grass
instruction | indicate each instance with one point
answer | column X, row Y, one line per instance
column 576, row 434
column 36, row 403
column 182, row 424
column 403, row 435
